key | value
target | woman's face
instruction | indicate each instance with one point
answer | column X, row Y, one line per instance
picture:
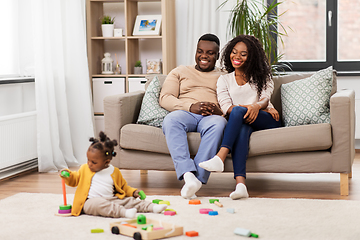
column 238, row 55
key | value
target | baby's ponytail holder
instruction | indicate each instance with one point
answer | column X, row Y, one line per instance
column 113, row 154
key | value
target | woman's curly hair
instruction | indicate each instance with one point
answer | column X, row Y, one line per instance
column 104, row 144
column 257, row 68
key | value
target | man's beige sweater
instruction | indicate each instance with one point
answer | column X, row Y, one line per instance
column 185, row 85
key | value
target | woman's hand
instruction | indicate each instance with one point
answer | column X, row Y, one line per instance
column 274, row 113
column 252, row 112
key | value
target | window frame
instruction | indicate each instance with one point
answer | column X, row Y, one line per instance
column 348, row 68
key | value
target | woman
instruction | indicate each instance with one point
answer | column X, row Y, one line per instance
column 244, row 96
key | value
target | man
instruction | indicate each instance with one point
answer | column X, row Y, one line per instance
column 189, row 93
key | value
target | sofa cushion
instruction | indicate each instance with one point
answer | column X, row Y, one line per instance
column 151, row 113
column 279, row 140
column 306, row 101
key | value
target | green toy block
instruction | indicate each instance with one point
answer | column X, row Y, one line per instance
column 145, row 227
column 97, row 230
column 141, row 219
column 156, row 201
column 142, row 195
column 213, row 200
column 65, row 174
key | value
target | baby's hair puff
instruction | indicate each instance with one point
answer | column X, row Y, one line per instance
column 104, row 144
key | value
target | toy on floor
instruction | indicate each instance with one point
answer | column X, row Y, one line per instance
column 245, row 232
column 64, row 210
column 97, row 230
column 153, row 230
column 192, row 233
column 194, row 201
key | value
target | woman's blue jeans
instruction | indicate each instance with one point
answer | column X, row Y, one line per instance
column 237, row 135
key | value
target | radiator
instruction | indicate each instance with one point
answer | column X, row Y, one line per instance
column 18, row 143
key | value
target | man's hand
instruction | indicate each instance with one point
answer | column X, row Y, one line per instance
column 274, row 113
column 205, row 108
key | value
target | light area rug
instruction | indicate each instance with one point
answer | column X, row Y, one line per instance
column 31, row 216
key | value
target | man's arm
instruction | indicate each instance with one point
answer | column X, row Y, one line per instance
column 169, row 95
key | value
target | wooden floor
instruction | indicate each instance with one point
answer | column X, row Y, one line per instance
column 263, row 185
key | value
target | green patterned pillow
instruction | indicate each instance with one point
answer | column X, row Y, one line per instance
column 307, row 101
column 151, row 113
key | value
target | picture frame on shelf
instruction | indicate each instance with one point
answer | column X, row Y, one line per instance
column 153, row 66
column 147, row 25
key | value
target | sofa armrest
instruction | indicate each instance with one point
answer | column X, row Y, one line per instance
column 119, row 110
column 342, row 114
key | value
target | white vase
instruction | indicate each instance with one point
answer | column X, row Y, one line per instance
column 107, row 30
column 137, row 70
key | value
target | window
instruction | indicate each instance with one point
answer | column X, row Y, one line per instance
column 323, row 33
column 7, row 42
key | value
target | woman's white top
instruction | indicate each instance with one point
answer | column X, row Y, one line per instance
column 102, row 184
column 229, row 92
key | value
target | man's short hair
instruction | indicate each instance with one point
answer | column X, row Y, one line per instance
column 210, row 37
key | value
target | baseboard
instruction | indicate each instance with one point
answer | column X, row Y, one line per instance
column 19, row 169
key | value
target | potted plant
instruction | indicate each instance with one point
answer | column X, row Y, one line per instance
column 253, row 17
column 107, row 26
column 138, row 67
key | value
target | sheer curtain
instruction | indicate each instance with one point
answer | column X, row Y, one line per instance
column 56, row 44
column 195, row 18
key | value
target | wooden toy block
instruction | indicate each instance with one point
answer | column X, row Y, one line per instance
column 230, row 210
column 63, row 207
column 141, row 219
column 157, row 228
column 145, row 227
column 213, row 213
column 218, row 204
column 194, row 201
column 170, row 213
column 192, row 233
column 156, row 201
column 205, row 210
column 64, row 211
column 129, row 225
column 160, row 229
column 245, row 232
column 142, row 195
column 97, row 230
column 169, row 209
column 165, row 202
column 213, row 200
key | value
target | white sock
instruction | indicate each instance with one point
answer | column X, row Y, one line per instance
column 191, row 186
column 213, row 165
column 158, row 208
column 130, row 213
column 240, row 192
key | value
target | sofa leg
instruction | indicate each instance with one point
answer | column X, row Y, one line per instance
column 344, row 184
column 143, row 172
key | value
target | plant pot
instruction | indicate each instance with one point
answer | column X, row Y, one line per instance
column 107, row 30
column 137, row 70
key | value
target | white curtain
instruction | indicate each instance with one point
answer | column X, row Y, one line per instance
column 57, row 47
column 195, row 18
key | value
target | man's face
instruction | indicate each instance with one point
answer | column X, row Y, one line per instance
column 207, row 53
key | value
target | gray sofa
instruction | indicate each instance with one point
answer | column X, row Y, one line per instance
column 317, row 148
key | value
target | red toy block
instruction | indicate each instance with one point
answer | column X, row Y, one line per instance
column 192, row 233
